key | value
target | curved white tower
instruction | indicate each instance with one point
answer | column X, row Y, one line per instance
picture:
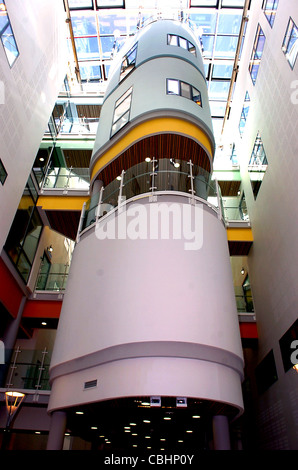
column 149, row 309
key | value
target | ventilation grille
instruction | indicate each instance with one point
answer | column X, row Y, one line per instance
column 90, row 384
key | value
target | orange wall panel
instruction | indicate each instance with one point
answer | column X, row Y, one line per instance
column 10, row 292
column 42, row 309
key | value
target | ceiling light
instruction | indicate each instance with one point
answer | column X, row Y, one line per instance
column 146, row 421
column 93, row 427
column 118, row 178
column 180, row 440
column 176, row 165
column 196, row 416
column 162, row 439
column 147, row 159
column 79, row 412
column 134, row 434
column 37, row 432
column 44, row 323
column 189, row 431
column 41, row 159
column 135, row 445
column 133, row 424
column 167, row 418
column 242, row 271
column 147, row 437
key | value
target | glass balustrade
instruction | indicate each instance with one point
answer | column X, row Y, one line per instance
column 29, row 370
column 150, row 177
column 54, row 280
column 67, row 178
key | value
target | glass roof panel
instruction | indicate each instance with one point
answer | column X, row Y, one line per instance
column 222, row 70
column 218, row 90
column 111, row 21
column 80, row 3
column 229, row 23
column 107, row 43
column 110, row 3
column 225, row 46
column 90, row 71
column 83, row 24
column 87, row 48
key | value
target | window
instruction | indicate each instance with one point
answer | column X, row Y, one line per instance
column 256, row 54
column 177, row 87
column 244, row 113
column 3, row 173
column 290, row 43
column 23, row 238
column 257, row 165
column 287, row 347
column 266, row 373
column 122, row 111
column 270, row 7
column 128, row 62
column 174, row 40
column 7, row 36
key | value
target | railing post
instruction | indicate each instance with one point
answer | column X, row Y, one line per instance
column 191, row 179
column 41, row 369
column 81, row 222
column 153, row 174
column 13, row 367
column 220, row 213
column 120, row 197
column 97, row 212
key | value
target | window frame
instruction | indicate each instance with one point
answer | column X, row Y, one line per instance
column 271, row 16
column 3, row 173
column 286, row 41
column 118, row 103
column 256, row 55
column 2, row 38
column 180, row 84
column 254, row 166
column 126, row 70
column 190, row 47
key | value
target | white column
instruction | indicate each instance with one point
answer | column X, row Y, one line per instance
column 221, row 433
column 57, row 431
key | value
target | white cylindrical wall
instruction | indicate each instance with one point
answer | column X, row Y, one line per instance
column 131, row 299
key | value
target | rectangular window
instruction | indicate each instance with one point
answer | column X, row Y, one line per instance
column 7, row 36
column 128, row 62
column 290, row 43
column 177, row 87
column 270, row 7
column 266, row 373
column 122, row 111
column 256, row 54
column 174, row 40
column 244, row 113
column 3, row 173
column 257, row 165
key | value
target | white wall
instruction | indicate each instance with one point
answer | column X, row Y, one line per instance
column 273, row 259
column 30, row 90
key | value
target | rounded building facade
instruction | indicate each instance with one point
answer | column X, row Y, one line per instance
column 149, row 319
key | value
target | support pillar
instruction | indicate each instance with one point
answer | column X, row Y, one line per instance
column 57, row 431
column 9, row 339
column 221, row 433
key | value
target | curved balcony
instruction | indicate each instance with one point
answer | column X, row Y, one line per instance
column 150, row 178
